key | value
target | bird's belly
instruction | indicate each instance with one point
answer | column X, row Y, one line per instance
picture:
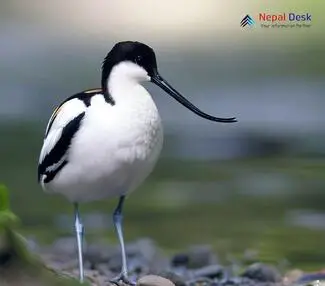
column 104, row 162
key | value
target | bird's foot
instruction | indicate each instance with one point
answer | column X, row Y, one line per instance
column 122, row 278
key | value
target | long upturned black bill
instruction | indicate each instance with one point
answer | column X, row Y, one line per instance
column 158, row 80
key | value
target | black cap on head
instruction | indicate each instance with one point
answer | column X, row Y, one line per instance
column 135, row 52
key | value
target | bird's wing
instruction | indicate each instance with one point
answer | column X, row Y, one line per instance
column 63, row 124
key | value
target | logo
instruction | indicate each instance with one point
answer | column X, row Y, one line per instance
column 247, row 20
column 278, row 20
column 283, row 17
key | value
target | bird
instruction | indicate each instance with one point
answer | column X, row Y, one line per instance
column 102, row 143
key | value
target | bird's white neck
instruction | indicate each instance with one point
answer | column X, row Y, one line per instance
column 124, row 77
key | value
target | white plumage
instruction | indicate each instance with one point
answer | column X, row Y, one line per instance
column 115, row 148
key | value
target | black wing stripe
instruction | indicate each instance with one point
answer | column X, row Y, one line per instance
column 51, row 174
column 60, row 149
column 85, row 96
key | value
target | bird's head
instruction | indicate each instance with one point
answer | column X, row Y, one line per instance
column 136, row 61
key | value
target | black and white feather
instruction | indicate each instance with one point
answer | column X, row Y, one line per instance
column 61, row 128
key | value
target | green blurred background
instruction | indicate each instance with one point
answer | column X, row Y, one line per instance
column 258, row 184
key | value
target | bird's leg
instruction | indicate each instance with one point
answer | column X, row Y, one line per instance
column 117, row 219
column 79, row 234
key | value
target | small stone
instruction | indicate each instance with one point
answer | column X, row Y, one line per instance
column 309, row 278
column 154, row 280
column 211, row 271
column 200, row 256
column 176, row 279
column 180, row 259
column 91, row 273
column 292, row 276
column 142, row 247
column 145, row 252
column 103, row 269
column 99, row 253
column 262, row 272
column 115, row 262
column 241, row 281
column 138, row 266
column 102, row 281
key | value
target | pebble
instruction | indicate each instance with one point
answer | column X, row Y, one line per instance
column 99, row 253
column 145, row 247
column 263, row 273
column 176, row 279
column 145, row 252
column 200, row 256
column 292, row 276
column 115, row 262
column 154, row 280
column 104, row 270
column 180, row 259
column 210, row 271
column 196, row 266
column 241, row 281
column 138, row 265
column 311, row 278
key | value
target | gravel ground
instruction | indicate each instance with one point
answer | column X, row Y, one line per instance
column 148, row 266
column 197, row 265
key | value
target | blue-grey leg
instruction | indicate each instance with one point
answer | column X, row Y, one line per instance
column 79, row 234
column 117, row 219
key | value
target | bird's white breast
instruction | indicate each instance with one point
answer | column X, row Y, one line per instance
column 115, row 148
